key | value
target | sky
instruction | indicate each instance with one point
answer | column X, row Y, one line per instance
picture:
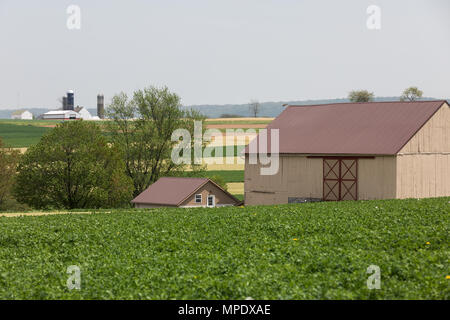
column 221, row 51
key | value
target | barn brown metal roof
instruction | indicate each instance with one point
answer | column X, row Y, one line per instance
column 375, row 128
column 172, row 191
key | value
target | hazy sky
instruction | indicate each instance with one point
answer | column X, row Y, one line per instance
column 221, row 51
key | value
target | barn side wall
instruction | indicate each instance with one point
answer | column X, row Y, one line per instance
column 297, row 177
column 302, row 177
column 377, row 178
column 423, row 165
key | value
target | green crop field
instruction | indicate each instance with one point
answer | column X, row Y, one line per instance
column 227, row 175
column 307, row 251
column 25, row 133
column 21, row 136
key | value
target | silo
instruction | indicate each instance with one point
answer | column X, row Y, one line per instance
column 64, row 103
column 70, row 100
column 100, row 106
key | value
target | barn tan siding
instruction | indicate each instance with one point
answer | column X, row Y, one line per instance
column 423, row 176
column 377, row 178
column 298, row 176
column 423, row 165
column 434, row 136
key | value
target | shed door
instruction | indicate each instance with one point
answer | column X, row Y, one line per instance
column 340, row 179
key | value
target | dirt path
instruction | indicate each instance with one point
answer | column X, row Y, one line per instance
column 36, row 214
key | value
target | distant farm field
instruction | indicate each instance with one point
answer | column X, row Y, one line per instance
column 25, row 133
column 306, row 251
column 20, row 135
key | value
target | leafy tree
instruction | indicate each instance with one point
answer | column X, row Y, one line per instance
column 360, row 96
column 411, row 94
column 219, row 180
column 142, row 128
column 71, row 167
column 8, row 163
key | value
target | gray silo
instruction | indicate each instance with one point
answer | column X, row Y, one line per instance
column 100, row 106
column 64, row 103
column 70, row 100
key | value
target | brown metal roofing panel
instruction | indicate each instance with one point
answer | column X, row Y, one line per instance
column 170, row 190
column 350, row 128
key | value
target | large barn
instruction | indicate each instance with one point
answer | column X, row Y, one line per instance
column 356, row 151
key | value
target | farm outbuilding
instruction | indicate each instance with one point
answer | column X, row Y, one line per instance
column 22, row 115
column 356, row 151
column 184, row 193
column 61, row 115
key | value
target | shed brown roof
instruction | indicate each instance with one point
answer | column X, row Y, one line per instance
column 172, row 191
column 350, row 128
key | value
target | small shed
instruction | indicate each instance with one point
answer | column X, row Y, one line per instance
column 185, row 193
column 356, row 151
column 22, row 115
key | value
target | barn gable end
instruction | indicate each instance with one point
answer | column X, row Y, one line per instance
column 423, row 164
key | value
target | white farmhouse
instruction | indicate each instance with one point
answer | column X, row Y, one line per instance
column 22, row 115
column 61, row 115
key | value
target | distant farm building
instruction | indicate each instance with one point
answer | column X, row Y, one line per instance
column 184, row 192
column 22, row 115
column 61, row 115
column 356, row 151
column 84, row 113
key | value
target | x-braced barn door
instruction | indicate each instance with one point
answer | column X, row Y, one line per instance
column 340, row 179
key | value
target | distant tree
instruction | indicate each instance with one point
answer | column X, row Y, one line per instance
column 142, row 128
column 254, row 107
column 360, row 96
column 73, row 166
column 411, row 94
column 8, row 163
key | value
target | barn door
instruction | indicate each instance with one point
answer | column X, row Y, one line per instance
column 340, row 179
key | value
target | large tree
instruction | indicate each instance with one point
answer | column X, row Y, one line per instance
column 8, row 164
column 360, row 96
column 411, row 94
column 73, row 166
column 142, row 128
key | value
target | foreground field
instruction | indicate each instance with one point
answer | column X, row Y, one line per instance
column 308, row 251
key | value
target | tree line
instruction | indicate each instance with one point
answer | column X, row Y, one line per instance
column 82, row 164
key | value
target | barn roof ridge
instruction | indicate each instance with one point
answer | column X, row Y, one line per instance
column 369, row 102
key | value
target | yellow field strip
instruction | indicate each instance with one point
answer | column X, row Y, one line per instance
column 35, row 214
column 235, row 187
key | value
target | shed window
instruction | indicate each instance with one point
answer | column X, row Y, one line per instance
column 198, row 198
